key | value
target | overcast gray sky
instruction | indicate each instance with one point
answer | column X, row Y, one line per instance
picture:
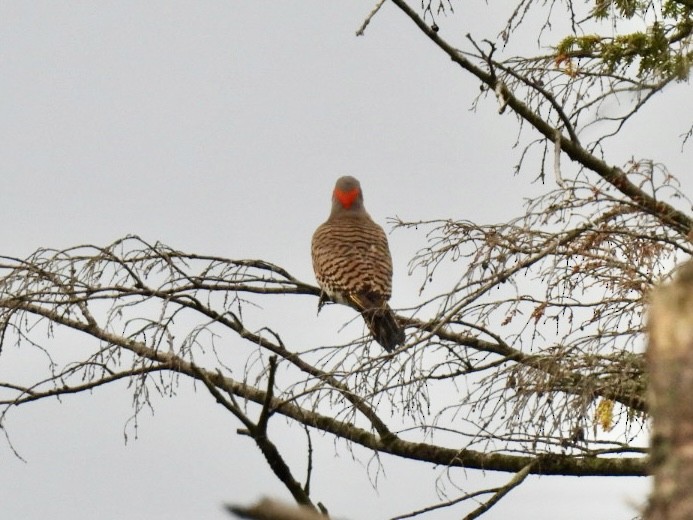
column 220, row 127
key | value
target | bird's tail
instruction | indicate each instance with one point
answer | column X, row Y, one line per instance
column 384, row 327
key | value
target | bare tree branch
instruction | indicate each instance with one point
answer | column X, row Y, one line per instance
column 615, row 176
column 267, row 509
column 155, row 349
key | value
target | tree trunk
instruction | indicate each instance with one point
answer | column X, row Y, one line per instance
column 670, row 363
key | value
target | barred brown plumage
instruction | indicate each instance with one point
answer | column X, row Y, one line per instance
column 352, row 262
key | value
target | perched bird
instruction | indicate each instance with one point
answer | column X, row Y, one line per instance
column 352, row 262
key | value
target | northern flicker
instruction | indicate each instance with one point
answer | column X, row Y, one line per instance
column 352, row 262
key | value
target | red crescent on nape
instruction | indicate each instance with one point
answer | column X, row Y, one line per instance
column 346, row 198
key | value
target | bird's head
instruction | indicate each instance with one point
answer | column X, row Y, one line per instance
column 347, row 194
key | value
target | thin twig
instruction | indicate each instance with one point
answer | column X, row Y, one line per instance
column 369, row 18
column 267, row 405
column 449, row 503
column 519, row 477
column 309, row 470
